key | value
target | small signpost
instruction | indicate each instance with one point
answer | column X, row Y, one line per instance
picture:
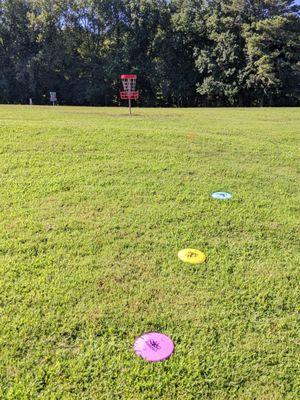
column 53, row 98
column 129, row 93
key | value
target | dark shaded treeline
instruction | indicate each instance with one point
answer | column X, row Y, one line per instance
column 185, row 52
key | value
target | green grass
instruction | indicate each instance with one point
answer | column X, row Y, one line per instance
column 95, row 206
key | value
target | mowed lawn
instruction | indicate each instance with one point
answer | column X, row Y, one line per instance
column 95, row 206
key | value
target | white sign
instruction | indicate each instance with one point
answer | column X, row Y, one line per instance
column 53, row 97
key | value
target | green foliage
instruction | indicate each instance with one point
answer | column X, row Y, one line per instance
column 94, row 207
column 273, row 52
column 186, row 52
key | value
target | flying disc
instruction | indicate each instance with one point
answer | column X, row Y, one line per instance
column 154, row 346
column 192, row 256
column 221, row 195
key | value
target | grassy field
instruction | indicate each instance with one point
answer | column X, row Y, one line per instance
column 95, row 206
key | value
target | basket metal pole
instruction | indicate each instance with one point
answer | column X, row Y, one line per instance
column 129, row 103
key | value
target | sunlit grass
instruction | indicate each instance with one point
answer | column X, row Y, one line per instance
column 95, row 206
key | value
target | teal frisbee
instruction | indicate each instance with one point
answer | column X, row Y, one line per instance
column 221, row 195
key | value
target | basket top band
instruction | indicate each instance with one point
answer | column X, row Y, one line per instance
column 128, row 76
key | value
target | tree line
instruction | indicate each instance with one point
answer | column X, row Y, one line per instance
column 185, row 52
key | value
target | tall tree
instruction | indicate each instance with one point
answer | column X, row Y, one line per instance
column 221, row 61
column 272, row 47
column 16, row 49
column 188, row 36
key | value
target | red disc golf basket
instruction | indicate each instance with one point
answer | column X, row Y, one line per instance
column 129, row 85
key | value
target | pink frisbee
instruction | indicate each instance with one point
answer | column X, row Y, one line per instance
column 154, row 346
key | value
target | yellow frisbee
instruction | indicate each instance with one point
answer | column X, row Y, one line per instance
column 192, row 256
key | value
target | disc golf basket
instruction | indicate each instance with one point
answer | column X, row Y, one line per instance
column 129, row 85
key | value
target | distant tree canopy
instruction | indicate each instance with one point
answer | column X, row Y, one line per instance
column 185, row 52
